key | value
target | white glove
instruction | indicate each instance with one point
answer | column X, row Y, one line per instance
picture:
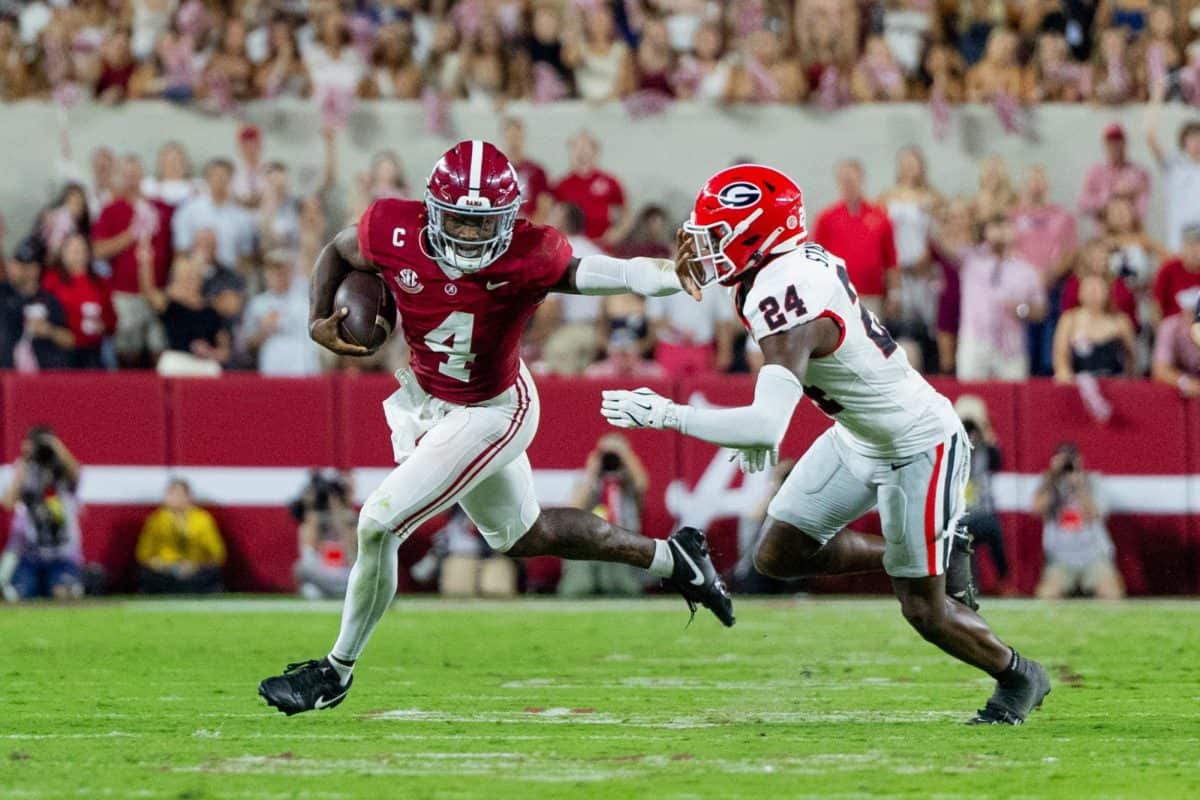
column 641, row 408
column 756, row 459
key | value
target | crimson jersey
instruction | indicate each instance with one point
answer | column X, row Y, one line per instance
column 465, row 332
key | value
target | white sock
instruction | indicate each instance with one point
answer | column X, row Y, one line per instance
column 343, row 670
column 663, row 563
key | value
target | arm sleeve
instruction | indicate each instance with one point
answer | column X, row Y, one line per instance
column 649, row 277
column 760, row 424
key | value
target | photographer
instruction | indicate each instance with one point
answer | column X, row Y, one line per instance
column 328, row 535
column 981, row 519
column 1079, row 552
column 613, row 487
column 43, row 556
column 180, row 550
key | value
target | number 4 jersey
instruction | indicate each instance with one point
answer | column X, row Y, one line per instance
column 880, row 405
column 464, row 330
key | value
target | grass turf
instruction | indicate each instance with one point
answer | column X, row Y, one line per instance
column 597, row 700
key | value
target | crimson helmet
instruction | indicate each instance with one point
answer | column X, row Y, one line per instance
column 742, row 215
column 472, row 199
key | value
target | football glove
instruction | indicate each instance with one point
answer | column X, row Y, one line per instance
column 755, row 459
column 641, row 408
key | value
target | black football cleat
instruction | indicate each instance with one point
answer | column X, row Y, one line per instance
column 696, row 578
column 1016, row 696
column 305, row 686
column 960, row 577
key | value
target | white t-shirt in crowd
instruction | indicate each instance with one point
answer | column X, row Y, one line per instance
column 689, row 322
column 233, row 225
column 1182, row 182
column 289, row 351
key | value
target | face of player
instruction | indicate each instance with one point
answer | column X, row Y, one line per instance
column 466, row 228
column 468, row 242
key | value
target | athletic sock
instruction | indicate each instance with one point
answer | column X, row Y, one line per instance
column 663, row 563
column 1012, row 670
column 341, row 668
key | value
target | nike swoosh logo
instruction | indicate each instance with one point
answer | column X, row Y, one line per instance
column 901, row 466
column 497, row 285
column 322, row 702
column 699, row 576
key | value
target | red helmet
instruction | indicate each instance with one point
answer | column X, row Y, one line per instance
column 472, row 200
column 742, row 215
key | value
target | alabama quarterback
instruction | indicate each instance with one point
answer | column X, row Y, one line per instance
column 895, row 444
column 467, row 274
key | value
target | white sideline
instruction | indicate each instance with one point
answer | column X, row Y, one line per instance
column 106, row 485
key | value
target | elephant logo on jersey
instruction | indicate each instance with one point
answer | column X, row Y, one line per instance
column 740, row 194
column 409, row 282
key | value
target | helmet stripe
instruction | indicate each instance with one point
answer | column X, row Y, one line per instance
column 476, row 168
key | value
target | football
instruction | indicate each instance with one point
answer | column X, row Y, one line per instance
column 372, row 309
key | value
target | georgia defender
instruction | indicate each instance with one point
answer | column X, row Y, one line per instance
column 895, row 444
column 467, row 275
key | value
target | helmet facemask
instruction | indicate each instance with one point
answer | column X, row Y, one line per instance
column 711, row 264
column 470, row 235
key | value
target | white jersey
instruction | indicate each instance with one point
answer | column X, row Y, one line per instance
column 880, row 405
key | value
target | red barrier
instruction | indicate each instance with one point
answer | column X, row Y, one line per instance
column 242, row 421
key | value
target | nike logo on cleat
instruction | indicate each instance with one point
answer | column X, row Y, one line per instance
column 323, row 703
column 497, row 284
column 698, row 576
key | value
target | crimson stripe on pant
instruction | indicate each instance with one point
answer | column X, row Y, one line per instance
column 481, row 460
column 931, row 561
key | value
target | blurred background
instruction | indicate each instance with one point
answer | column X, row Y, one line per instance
column 1015, row 187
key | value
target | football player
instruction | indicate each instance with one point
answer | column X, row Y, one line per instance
column 467, row 274
column 896, row 443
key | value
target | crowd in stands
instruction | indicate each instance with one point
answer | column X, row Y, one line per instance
column 219, row 53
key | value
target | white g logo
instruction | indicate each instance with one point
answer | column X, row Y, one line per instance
column 739, row 195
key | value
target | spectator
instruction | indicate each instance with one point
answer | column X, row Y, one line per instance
column 1094, row 259
column 598, row 194
column 180, row 550
column 650, row 235
column 860, row 234
column 1135, row 255
column 126, row 221
column 704, row 74
column 624, row 360
column 229, row 74
column 952, row 236
column 96, row 186
column 67, row 215
column 653, row 63
column 1177, row 284
column 1052, row 77
column 998, row 74
column 910, row 204
column 464, row 564
column 941, row 79
column 1177, row 355
column 224, row 289
column 1079, row 552
column 766, row 73
column 981, row 520
column 233, row 225
column 1114, row 80
column 626, row 314
column 536, row 198
column 327, row 535
column 1002, row 293
column 906, row 28
column 1094, row 338
column 278, row 210
column 878, row 77
column 484, row 74
column 250, row 171
column 692, row 337
column 33, row 324
column 43, row 556
column 394, row 73
column 595, row 55
column 613, row 487
column 1116, row 176
column 568, row 322
column 275, row 326
column 335, row 68
column 384, row 178
column 116, row 68
column 544, row 73
column 1181, row 174
column 995, row 195
column 172, row 183
column 86, row 298
column 197, row 341
column 282, row 73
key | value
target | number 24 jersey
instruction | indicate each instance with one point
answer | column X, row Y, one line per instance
column 464, row 330
column 880, row 405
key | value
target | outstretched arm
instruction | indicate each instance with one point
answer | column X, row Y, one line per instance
column 600, row 274
column 761, row 424
column 335, row 261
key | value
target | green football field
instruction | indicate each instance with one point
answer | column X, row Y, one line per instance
column 531, row 699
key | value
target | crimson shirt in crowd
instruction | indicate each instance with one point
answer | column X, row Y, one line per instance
column 863, row 239
column 87, row 300
column 155, row 221
column 1171, row 287
column 534, row 183
column 596, row 194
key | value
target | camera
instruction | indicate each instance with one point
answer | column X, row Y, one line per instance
column 318, row 495
column 610, row 462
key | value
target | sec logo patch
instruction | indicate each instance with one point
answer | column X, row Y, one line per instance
column 739, row 194
column 408, row 281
